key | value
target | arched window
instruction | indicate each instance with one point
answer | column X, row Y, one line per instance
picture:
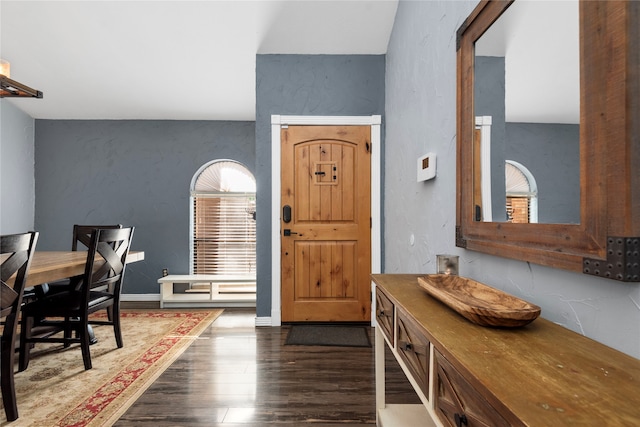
column 522, row 193
column 223, row 230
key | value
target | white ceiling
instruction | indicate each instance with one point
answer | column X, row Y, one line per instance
column 542, row 62
column 173, row 60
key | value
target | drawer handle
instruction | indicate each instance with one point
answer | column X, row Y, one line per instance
column 382, row 313
column 417, row 349
column 406, row 346
column 461, row 419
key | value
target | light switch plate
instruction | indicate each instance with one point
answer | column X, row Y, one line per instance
column 426, row 167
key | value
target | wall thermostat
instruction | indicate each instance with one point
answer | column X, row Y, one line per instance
column 426, row 167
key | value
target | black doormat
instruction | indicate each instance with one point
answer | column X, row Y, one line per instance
column 329, row 335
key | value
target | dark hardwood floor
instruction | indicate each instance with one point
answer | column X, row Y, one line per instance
column 238, row 375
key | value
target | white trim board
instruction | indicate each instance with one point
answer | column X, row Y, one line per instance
column 277, row 122
column 140, row 297
column 230, row 303
column 484, row 124
column 263, row 321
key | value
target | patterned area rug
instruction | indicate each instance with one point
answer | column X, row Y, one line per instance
column 55, row 390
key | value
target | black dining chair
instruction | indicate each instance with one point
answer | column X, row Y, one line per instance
column 80, row 241
column 17, row 252
column 97, row 289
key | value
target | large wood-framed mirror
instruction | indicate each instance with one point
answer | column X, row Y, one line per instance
column 602, row 236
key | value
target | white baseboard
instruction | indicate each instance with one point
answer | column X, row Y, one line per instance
column 263, row 321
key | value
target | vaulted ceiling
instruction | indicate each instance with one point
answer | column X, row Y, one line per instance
column 172, row 60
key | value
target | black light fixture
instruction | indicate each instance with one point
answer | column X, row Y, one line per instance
column 12, row 89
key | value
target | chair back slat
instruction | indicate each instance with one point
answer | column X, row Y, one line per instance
column 7, row 297
column 82, row 234
column 106, row 259
column 13, row 272
column 11, row 265
column 82, row 240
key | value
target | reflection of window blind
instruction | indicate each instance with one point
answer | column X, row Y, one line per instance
column 518, row 209
column 224, row 234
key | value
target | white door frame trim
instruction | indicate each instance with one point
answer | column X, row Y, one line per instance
column 277, row 122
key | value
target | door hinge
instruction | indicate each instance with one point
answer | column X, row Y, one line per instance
column 370, row 222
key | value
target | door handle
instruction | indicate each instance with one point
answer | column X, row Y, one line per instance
column 288, row 232
column 286, row 213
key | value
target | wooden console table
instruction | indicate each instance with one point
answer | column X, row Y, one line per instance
column 466, row 375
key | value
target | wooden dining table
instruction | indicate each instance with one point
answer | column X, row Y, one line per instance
column 50, row 266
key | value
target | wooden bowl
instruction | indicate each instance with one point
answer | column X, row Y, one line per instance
column 479, row 303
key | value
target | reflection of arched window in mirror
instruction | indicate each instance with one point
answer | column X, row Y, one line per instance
column 521, row 193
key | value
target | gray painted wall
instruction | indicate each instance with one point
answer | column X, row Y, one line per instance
column 17, row 182
column 551, row 152
column 421, row 117
column 135, row 173
column 315, row 85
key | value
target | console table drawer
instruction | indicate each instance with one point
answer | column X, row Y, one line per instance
column 457, row 402
column 413, row 348
column 384, row 315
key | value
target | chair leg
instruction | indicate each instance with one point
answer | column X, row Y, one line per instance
column 8, row 389
column 115, row 315
column 7, row 357
column 68, row 329
column 25, row 345
column 85, row 341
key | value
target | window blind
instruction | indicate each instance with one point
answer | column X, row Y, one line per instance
column 518, row 209
column 224, row 240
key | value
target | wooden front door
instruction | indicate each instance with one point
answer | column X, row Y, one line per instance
column 326, row 238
